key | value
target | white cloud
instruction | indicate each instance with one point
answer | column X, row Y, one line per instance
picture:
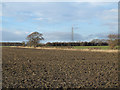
column 0, row 9
column 57, row 12
column 51, row 36
column 61, row 36
column 66, row 36
column 111, row 14
column 38, row 13
column 114, row 10
column 96, row 4
column 113, row 26
column 18, row 33
column 60, row 0
column 41, row 19
column 109, row 18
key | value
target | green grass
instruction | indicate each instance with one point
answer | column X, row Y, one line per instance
column 86, row 47
column 82, row 47
column 6, row 46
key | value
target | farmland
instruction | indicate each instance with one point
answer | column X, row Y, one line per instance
column 38, row 68
column 86, row 47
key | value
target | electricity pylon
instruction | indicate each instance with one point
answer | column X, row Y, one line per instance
column 73, row 32
column 72, row 35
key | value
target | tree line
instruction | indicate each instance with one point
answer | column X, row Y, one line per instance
column 77, row 44
column 34, row 40
column 113, row 41
column 10, row 44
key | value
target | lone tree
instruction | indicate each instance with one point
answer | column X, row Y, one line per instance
column 34, row 38
column 113, row 40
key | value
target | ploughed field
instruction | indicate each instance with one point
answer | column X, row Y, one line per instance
column 37, row 68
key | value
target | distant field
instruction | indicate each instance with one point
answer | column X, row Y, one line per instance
column 82, row 47
column 92, row 47
column 75, row 47
column 4, row 46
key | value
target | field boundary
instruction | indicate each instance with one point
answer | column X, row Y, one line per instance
column 109, row 51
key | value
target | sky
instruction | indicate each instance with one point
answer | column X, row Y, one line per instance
column 90, row 20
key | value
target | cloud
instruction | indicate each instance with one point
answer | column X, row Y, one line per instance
column 39, row 19
column 110, row 15
column 13, row 36
column 109, row 18
column 60, row 13
column 43, row 19
column 0, row 15
column 60, row 1
column 18, row 33
column 52, row 37
column 114, row 10
column 96, row 4
column 62, row 36
column 51, row 11
column 0, row 28
column 67, row 36
column 0, row 9
column 112, row 25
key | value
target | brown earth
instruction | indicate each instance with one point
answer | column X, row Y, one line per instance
column 38, row 68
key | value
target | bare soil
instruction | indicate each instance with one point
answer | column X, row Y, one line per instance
column 43, row 68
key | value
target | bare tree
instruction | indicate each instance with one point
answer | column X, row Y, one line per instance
column 99, row 42
column 34, row 38
column 113, row 40
column 23, row 43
